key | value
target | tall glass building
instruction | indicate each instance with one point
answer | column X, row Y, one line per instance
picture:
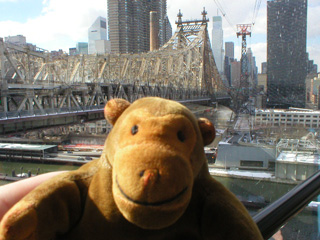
column 128, row 24
column 217, row 42
column 96, row 33
column 286, row 53
column 82, row 48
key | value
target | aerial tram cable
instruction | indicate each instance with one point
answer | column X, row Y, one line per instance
column 255, row 11
column 225, row 15
column 254, row 15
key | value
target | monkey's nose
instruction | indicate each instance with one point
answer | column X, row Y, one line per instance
column 149, row 176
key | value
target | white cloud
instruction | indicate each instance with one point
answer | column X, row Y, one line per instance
column 313, row 22
column 61, row 24
column 259, row 50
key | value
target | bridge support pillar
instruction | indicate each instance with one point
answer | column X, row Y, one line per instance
column 110, row 92
column 4, row 99
column 4, row 82
column 130, row 93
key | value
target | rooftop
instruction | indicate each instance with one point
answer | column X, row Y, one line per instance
column 30, row 147
column 299, row 157
column 290, row 110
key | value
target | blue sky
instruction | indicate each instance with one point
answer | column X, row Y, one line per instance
column 20, row 11
column 60, row 24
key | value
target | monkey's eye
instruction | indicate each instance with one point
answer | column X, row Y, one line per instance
column 134, row 129
column 181, row 136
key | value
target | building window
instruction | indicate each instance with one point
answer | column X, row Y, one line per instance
column 247, row 163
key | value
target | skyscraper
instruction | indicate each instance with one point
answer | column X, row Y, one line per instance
column 217, row 42
column 229, row 50
column 160, row 6
column 128, row 24
column 228, row 58
column 82, row 48
column 264, row 67
column 168, row 33
column 286, row 53
column 97, row 37
column 252, row 69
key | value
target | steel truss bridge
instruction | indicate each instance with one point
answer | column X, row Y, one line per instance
column 40, row 89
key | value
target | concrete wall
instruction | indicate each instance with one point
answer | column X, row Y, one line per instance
column 231, row 156
column 294, row 171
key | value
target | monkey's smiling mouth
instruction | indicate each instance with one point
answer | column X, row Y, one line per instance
column 151, row 203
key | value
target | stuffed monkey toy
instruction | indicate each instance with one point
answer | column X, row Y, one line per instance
column 151, row 182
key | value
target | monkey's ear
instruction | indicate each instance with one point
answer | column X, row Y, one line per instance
column 207, row 129
column 114, row 108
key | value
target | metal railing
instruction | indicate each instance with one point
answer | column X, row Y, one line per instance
column 73, row 110
column 49, row 111
column 274, row 216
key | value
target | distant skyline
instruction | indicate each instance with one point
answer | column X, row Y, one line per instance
column 60, row 24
